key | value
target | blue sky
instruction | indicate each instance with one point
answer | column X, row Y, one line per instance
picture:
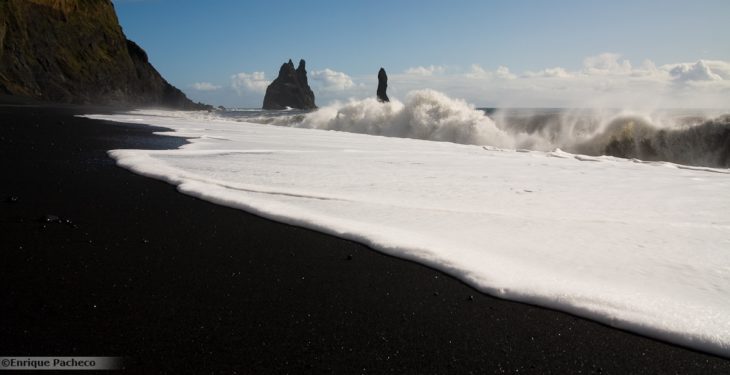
column 204, row 44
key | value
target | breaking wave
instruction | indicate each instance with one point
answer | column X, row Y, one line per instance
column 691, row 139
column 701, row 139
column 425, row 114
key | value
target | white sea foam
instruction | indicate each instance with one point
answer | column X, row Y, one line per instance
column 640, row 246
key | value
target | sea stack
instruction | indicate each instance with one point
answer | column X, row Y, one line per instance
column 74, row 51
column 382, row 86
column 290, row 89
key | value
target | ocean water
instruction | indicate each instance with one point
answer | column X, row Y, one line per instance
column 692, row 137
column 636, row 244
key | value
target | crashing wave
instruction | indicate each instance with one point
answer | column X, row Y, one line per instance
column 427, row 114
column 691, row 140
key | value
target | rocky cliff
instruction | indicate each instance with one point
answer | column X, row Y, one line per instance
column 290, row 89
column 74, row 51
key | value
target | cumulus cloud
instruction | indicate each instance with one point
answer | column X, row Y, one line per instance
column 721, row 68
column 205, row 86
column 699, row 71
column 426, row 70
column 649, row 70
column 556, row 72
column 502, row 72
column 477, row 71
column 332, row 80
column 607, row 80
column 606, row 64
column 253, row 82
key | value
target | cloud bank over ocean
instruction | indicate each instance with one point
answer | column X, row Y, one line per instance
column 604, row 80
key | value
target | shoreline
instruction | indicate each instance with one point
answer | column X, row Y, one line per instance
column 175, row 283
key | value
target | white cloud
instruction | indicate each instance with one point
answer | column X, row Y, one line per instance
column 556, row 72
column 205, row 86
column 721, row 68
column 426, row 70
column 649, row 70
column 476, row 71
column 699, row 71
column 502, row 72
column 253, row 82
column 606, row 64
column 606, row 80
column 332, row 80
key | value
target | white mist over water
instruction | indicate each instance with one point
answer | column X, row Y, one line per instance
column 426, row 114
column 699, row 137
column 640, row 246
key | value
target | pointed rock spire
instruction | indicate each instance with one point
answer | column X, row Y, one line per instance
column 290, row 89
column 382, row 86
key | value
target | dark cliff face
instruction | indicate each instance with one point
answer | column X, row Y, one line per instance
column 290, row 89
column 74, row 51
column 382, row 86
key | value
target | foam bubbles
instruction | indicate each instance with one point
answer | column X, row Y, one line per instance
column 640, row 246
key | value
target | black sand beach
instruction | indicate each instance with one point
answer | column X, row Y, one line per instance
column 97, row 261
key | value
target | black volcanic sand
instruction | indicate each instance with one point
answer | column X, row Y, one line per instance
column 97, row 261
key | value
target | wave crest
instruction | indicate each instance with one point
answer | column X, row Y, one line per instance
column 701, row 139
column 426, row 114
column 691, row 140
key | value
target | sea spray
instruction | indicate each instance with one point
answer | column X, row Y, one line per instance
column 700, row 138
column 426, row 114
column 659, row 135
column 696, row 137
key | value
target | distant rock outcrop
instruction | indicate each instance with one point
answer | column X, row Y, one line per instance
column 382, row 86
column 290, row 89
column 74, row 51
